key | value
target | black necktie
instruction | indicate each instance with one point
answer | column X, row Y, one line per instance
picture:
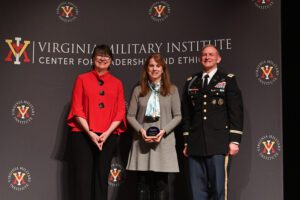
column 205, row 83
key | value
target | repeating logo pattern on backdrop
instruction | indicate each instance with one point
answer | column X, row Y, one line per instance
column 23, row 112
column 17, row 51
column 267, row 72
column 48, row 53
column 263, row 4
column 159, row 11
column 67, row 11
column 19, row 179
column 268, row 147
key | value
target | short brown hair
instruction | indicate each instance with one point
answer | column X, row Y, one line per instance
column 208, row 45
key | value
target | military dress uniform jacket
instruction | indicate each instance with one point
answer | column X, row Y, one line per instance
column 212, row 118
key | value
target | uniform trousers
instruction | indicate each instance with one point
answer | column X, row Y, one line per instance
column 209, row 177
column 90, row 167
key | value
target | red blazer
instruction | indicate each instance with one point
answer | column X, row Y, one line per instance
column 99, row 100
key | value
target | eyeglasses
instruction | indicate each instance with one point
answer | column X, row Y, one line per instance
column 103, row 57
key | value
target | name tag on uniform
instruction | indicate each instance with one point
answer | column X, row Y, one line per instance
column 193, row 90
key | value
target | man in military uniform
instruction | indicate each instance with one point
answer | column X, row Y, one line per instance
column 212, row 111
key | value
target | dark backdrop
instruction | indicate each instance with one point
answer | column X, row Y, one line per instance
column 33, row 142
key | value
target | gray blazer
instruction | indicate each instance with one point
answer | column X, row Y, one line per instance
column 160, row 157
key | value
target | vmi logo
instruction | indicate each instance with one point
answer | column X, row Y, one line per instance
column 17, row 50
column 263, row 4
column 116, row 175
column 267, row 72
column 263, row 1
column 268, row 147
column 19, row 178
column 23, row 112
column 67, row 11
column 159, row 11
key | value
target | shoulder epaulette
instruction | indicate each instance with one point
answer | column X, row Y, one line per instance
column 189, row 78
column 230, row 75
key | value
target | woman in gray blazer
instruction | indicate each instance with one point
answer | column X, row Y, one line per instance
column 154, row 111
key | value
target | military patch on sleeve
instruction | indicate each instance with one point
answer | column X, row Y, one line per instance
column 230, row 75
column 189, row 78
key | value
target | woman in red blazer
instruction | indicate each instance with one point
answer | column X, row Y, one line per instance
column 96, row 117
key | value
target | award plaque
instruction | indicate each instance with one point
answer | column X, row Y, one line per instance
column 152, row 131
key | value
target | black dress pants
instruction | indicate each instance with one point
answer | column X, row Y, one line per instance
column 90, row 167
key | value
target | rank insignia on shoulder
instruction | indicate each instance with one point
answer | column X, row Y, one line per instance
column 230, row 75
column 189, row 78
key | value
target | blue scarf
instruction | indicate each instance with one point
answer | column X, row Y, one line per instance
column 153, row 109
